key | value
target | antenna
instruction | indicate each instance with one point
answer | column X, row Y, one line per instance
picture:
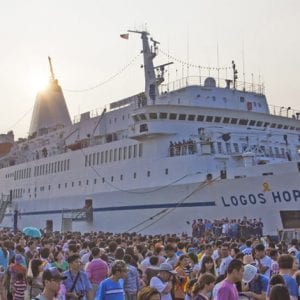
column 218, row 64
column 52, row 77
column 243, row 56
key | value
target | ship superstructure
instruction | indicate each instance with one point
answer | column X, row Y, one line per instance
column 194, row 148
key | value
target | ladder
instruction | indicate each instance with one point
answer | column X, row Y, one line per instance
column 4, row 203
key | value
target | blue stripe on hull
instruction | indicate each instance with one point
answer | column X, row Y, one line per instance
column 122, row 208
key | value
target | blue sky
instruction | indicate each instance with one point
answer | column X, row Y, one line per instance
column 82, row 37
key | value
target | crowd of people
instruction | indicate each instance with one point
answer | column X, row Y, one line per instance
column 109, row 266
column 233, row 228
column 182, row 147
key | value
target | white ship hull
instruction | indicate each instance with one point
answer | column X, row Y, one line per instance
column 168, row 209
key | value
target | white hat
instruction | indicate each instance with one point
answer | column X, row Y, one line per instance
column 167, row 267
column 249, row 273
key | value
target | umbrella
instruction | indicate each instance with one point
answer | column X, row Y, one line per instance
column 32, row 232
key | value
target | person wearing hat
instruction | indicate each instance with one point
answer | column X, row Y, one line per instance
column 77, row 283
column 163, row 281
column 255, row 284
column 52, row 279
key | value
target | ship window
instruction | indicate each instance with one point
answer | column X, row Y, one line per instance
column 94, row 158
column 209, row 119
column 236, row 147
column 228, row 148
column 72, row 183
column 143, row 127
column 65, row 165
column 134, row 175
column 135, row 118
column 121, row 177
column 254, row 104
column 277, row 152
column 292, row 127
column 163, row 115
column 79, row 183
column 98, row 156
column 115, row 154
column 129, row 151
column 103, row 179
column 242, row 99
column 90, row 159
column 259, row 105
column 58, row 166
column 59, row 185
column 106, row 156
column 234, row 120
column 124, row 152
column 273, row 125
column 153, row 116
column 200, row 118
column 191, row 117
column 134, row 150
column 110, row 155
column 143, row 117
column 182, row 117
column 102, row 157
column 298, row 128
column 68, row 164
column 226, row 120
column 266, row 124
column 279, row 126
column 259, row 123
column 87, row 182
column 214, row 98
column 148, row 173
column 120, row 153
column 173, row 116
column 95, row 181
column 66, row 185
column 140, row 150
column 86, row 161
column 285, row 127
column 166, row 171
column 218, row 119
column 243, row 122
column 219, row 145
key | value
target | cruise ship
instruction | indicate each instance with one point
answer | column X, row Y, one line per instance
column 153, row 162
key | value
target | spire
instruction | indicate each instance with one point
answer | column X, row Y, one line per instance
column 50, row 110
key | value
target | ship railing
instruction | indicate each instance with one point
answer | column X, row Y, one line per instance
column 219, row 82
column 283, row 111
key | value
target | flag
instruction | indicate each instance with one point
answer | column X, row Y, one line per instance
column 125, row 36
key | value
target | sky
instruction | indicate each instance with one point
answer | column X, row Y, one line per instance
column 83, row 39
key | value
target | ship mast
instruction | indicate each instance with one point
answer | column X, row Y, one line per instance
column 151, row 86
column 52, row 77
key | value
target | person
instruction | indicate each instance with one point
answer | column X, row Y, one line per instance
column 256, row 285
column 76, row 282
column 112, row 288
column 202, row 289
column 52, row 279
column 19, row 287
column 163, row 281
column 182, row 268
column 172, row 258
column 228, row 290
column 16, row 268
column 59, row 261
column 263, row 262
column 132, row 281
column 148, row 293
column 2, row 284
column 34, row 278
column 152, row 270
column 225, row 259
column 97, row 269
column 285, row 263
column 208, row 266
column 279, row 292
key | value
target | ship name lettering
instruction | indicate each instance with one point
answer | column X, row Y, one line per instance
column 286, row 196
column 244, row 200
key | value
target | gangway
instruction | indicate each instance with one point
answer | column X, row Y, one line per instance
column 6, row 200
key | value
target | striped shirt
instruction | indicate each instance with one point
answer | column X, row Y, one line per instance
column 110, row 290
column 19, row 289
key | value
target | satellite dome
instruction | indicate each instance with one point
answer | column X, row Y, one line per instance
column 210, row 82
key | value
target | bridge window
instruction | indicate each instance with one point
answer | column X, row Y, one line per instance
column 200, row 118
column 259, row 123
column 226, row 120
column 163, row 115
column 218, row 119
column 153, row 116
column 209, row 119
column 143, row 117
column 279, row 126
column 191, row 117
column 243, row 122
column 173, row 116
column 182, row 117
column 252, row 122
column 234, row 120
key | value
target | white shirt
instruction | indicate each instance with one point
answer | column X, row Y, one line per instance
column 224, row 264
column 156, row 283
column 266, row 262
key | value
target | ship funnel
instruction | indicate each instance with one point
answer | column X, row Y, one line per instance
column 50, row 110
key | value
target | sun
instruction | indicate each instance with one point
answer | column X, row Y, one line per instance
column 38, row 81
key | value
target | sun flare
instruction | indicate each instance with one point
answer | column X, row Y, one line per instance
column 38, row 81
